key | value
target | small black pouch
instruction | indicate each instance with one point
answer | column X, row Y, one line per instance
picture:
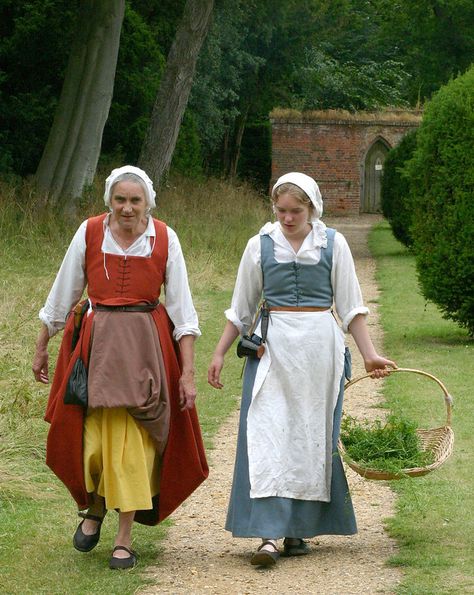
column 76, row 388
column 250, row 347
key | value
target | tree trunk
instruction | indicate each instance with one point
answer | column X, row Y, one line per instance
column 239, row 132
column 225, row 159
column 175, row 87
column 71, row 153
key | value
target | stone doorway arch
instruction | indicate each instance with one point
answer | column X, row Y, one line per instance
column 372, row 177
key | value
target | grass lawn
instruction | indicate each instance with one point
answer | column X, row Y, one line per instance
column 434, row 523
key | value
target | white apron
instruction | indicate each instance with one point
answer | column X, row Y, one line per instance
column 290, row 418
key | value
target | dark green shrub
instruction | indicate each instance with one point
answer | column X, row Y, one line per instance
column 442, row 186
column 255, row 163
column 395, row 189
column 187, row 157
column 35, row 38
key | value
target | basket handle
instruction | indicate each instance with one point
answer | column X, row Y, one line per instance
column 448, row 399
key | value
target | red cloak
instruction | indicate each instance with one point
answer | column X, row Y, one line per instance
column 184, row 465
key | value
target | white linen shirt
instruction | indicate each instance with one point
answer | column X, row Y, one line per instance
column 71, row 279
column 249, row 283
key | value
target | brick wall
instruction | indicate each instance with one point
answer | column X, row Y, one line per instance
column 332, row 152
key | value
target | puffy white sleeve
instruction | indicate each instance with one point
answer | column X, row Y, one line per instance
column 248, row 287
column 69, row 284
column 346, row 288
column 179, row 302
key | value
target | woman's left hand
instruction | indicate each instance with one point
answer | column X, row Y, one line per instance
column 187, row 390
column 376, row 366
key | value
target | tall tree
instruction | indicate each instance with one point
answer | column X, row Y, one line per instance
column 175, row 87
column 71, row 153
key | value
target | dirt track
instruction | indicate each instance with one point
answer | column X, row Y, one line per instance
column 199, row 557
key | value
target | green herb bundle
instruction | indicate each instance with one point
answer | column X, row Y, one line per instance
column 390, row 446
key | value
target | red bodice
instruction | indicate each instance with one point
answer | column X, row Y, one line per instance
column 117, row 279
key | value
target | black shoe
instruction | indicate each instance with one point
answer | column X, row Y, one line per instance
column 83, row 542
column 265, row 557
column 123, row 563
column 300, row 549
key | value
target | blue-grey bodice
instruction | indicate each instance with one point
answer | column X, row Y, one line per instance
column 295, row 284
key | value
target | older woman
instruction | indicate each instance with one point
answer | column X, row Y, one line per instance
column 137, row 446
column 288, row 480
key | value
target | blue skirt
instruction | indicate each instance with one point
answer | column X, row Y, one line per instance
column 275, row 517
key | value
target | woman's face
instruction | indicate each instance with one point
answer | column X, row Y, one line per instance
column 293, row 216
column 128, row 204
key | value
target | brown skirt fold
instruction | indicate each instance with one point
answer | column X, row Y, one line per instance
column 126, row 370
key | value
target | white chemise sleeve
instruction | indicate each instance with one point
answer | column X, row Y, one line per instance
column 179, row 302
column 69, row 284
column 346, row 288
column 248, row 287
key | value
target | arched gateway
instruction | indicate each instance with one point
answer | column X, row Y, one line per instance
column 344, row 152
column 372, row 178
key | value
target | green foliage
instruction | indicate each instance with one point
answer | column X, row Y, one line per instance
column 390, row 446
column 139, row 69
column 34, row 48
column 442, row 185
column 227, row 65
column 163, row 18
column 187, row 159
column 324, row 82
column 255, row 161
column 396, row 205
column 433, row 39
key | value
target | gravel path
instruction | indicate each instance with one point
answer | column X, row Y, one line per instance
column 199, row 557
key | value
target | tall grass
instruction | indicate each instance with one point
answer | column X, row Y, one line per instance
column 213, row 219
column 37, row 517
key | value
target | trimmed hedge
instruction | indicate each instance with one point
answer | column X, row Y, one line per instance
column 396, row 205
column 442, row 187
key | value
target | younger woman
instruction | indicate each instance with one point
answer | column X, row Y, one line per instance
column 288, row 479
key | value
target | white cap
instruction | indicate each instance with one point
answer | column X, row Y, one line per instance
column 308, row 185
column 130, row 169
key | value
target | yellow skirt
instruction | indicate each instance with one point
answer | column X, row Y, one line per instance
column 120, row 460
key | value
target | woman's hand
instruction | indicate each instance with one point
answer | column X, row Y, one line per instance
column 376, row 366
column 229, row 334
column 40, row 365
column 187, row 390
column 214, row 371
column 41, row 358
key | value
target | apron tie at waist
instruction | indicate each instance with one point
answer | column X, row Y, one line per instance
column 130, row 308
column 298, row 308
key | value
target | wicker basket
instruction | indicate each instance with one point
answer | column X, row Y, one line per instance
column 438, row 441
